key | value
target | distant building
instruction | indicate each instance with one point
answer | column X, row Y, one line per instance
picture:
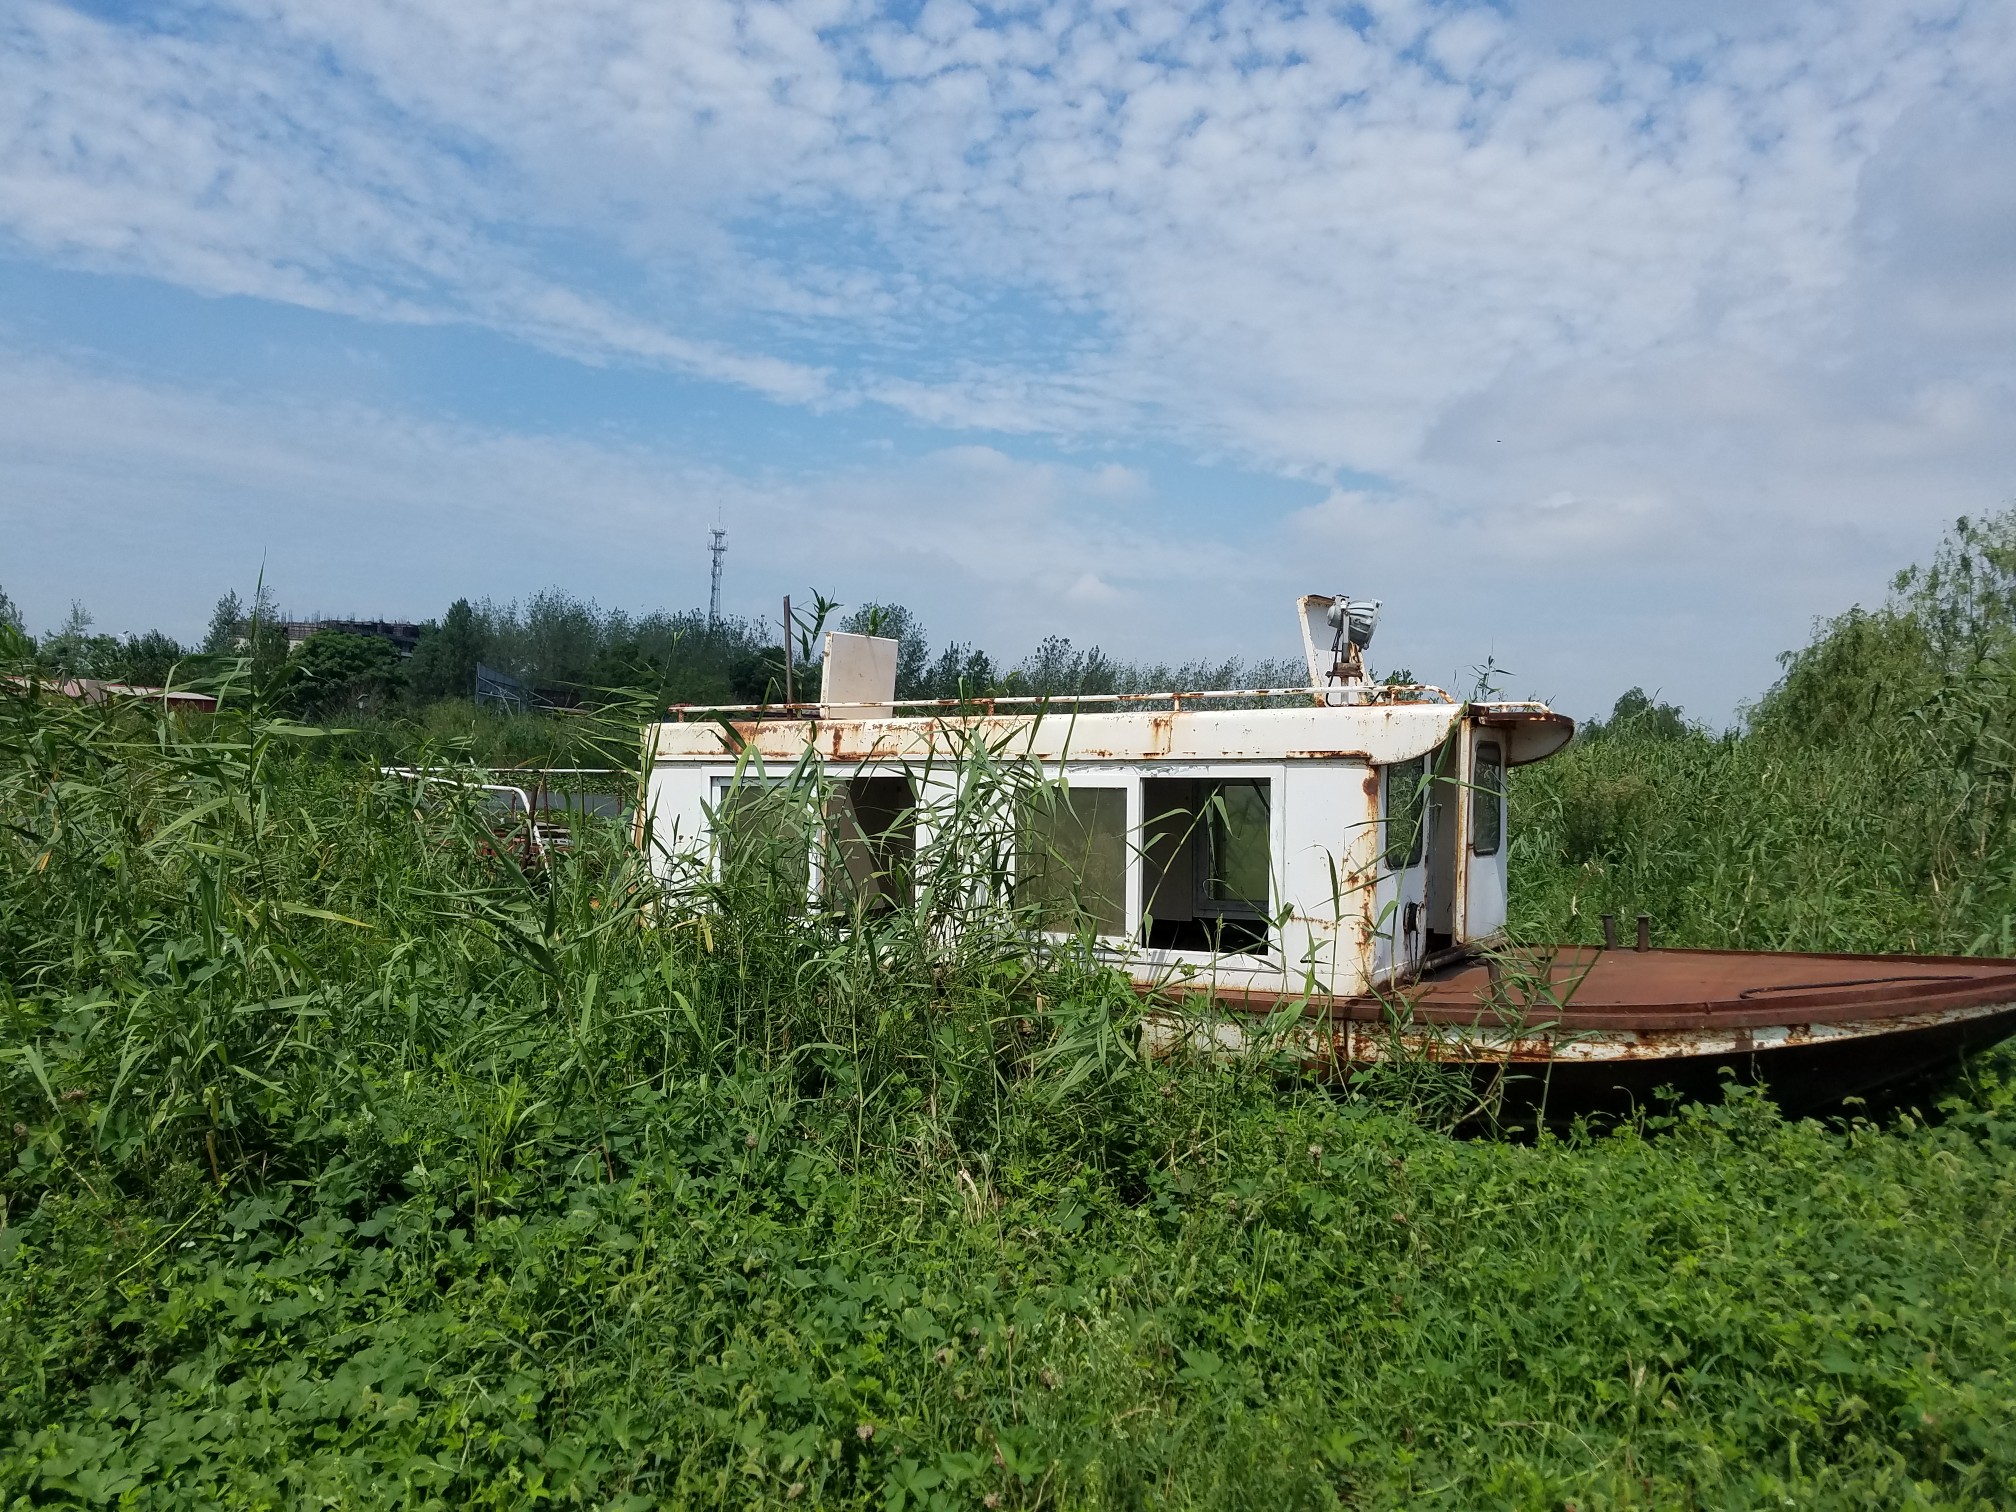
column 93, row 690
column 403, row 635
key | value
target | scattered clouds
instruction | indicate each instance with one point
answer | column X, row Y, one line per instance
column 1299, row 236
column 1711, row 304
column 350, row 509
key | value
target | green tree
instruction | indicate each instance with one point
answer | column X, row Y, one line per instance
column 148, row 659
column 1965, row 602
column 1639, row 713
column 71, row 650
column 335, row 671
column 1056, row 666
column 257, row 630
column 758, row 676
column 10, row 616
column 959, row 671
column 226, row 625
column 444, row 663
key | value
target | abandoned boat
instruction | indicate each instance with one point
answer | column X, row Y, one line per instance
column 1322, row 865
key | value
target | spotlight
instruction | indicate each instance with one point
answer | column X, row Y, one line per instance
column 1354, row 620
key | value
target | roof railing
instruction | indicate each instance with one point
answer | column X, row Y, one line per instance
column 1361, row 695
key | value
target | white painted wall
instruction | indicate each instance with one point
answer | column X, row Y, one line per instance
column 1326, row 855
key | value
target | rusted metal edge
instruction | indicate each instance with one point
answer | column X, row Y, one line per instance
column 1978, row 991
column 1344, row 1043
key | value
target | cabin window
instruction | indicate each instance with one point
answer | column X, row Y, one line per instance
column 871, row 830
column 1207, row 863
column 1487, row 799
column 764, row 832
column 1071, row 859
column 1406, row 812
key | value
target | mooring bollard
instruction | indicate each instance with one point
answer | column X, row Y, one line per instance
column 1609, row 931
column 1644, row 931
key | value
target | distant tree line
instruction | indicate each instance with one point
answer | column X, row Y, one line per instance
column 567, row 650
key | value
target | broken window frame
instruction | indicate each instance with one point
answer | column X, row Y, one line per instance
column 725, row 790
column 1271, row 778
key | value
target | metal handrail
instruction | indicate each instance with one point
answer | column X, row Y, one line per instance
column 1373, row 695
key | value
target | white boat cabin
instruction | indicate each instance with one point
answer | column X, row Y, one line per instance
column 1274, row 842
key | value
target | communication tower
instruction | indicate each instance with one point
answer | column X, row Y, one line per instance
column 719, row 550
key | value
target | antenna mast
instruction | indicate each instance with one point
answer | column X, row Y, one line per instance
column 719, row 550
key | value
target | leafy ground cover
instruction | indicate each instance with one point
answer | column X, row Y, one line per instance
column 353, row 1166
column 487, row 1304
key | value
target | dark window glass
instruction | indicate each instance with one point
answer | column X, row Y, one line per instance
column 1071, row 859
column 871, row 832
column 1487, row 799
column 1238, row 856
column 1406, row 812
column 1206, row 864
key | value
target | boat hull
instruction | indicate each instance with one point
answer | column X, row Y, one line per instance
column 1573, row 1031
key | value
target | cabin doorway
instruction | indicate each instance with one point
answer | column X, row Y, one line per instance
column 1442, row 884
column 1403, row 849
column 1422, row 813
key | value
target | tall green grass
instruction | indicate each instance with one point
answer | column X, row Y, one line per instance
column 1866, row 804
column 355, row 1164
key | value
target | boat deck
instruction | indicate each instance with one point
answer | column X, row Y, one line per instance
column 1656, row 991
column 1664, row 991
column 1585, row 1030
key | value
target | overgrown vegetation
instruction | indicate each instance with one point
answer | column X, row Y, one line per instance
column 568, row 652
column 1866, row 804
column 356, row 1165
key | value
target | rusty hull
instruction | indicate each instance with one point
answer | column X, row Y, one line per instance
column 1604, row 1031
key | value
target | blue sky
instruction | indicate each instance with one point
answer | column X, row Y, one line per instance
column 1612, row 347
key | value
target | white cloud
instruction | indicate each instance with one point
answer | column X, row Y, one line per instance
column 231, row 166
column 356, row 510
column 1711, row 305
column 1298, row 238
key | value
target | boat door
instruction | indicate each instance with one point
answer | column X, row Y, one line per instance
column 1421, row 813
column 1485, row 879
column 1442, row 882
column 1404, row 815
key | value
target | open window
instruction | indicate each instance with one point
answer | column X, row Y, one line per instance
column 1487, row 798
column 1207, row 864
column 1071, row 858
column 871, row 831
